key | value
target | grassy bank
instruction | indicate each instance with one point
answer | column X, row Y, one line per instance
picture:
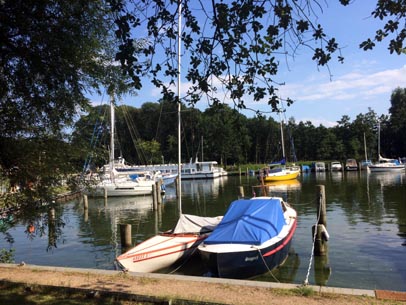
column 26, row 294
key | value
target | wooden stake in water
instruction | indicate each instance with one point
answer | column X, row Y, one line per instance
column 159, row 191
column 320, row 242
column 241, row 192
column 154, row 198
column 125, row 235
column 85, row 202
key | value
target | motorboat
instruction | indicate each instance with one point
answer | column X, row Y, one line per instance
column 167, row 248
column 336, row 166
column 253, row 238
column 319, row 167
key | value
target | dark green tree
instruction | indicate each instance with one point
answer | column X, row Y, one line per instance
column 259, row 133
column 52, row 52
column 366, row 124
column 397, row 121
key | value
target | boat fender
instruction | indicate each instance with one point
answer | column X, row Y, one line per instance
column 324, row 233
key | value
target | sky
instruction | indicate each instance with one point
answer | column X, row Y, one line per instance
column 323, row 95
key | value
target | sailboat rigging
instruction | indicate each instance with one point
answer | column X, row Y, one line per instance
column 278, row 171
column 111, row 183
column 170, row 247
column 385, row 164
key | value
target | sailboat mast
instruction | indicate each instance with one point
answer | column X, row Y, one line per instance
column 379, row 140
column 111, row 136
column 365, row 148
column 282, row 139
column 179, row 109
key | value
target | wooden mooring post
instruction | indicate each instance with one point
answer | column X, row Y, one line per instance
column 154, row 198
column 320, row 242
column 125, row 235
column 158, row 185
column 241, row 192
column 176, row 186
column 85, row 203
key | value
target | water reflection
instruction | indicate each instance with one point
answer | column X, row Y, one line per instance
column 283, row 188
column 203, row 187
column 366, row 220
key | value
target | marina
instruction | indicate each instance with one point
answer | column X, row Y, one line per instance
column 366, row 221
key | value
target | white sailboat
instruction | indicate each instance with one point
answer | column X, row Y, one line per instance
column 111, row 183
column 167, row 248
column 385, row 164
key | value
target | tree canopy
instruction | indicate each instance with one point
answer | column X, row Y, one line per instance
column 235, row 46
column 51, row 54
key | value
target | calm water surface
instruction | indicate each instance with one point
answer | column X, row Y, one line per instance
column 366, row 220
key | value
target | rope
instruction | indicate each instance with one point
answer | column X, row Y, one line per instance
column 266, row 265
column 306, row 281
column 184, row 262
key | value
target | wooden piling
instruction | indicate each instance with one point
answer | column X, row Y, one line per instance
column 85, row 202
column 320, row 246
column 159, row 191
column 321, row 205
column 241, row 192
column 105, row 193
column 125, row 235
column 176, row 186
column 154, row 198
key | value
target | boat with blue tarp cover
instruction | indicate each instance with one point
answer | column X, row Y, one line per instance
column 253, row 237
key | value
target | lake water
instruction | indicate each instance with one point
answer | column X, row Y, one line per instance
column 366, row 221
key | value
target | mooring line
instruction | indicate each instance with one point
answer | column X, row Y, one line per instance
column 306, row 281
column 266, row 265
column 184, row 262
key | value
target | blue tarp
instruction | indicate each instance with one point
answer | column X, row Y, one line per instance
column 249, row 222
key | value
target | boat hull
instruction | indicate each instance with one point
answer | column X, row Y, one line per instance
column 281, row 176
column 254, row 261
column 118, row 191
column 394, row 168
column 160, row 251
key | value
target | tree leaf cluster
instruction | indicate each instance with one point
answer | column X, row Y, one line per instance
column 48, row 59
column 229, row 45
column 393, row 14
column 233, row 46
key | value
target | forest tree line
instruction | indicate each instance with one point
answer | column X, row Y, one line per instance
column 148, row 135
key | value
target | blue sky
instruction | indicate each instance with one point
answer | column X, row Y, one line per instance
column 365, row 80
